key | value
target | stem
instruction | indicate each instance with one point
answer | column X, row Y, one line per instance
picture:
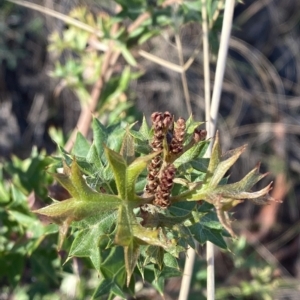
column 221, row 63
column 211, row 117
column 187, row 274
column 216, row 96
column 210, row 260
column 206, row 64
column 183, row 75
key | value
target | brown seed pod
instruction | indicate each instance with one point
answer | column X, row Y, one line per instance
column 176, row 145
column 164, row 187
column 199, row 135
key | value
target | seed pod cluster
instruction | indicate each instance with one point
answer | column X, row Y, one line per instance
column 169, row 138
column 163, row 190
column 160, row 176
column 199, row 135
column 176, row 145
column 161, row 123
column 152, row 178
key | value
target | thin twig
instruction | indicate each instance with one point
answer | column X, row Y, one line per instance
column 58, row 15
column 210, row 258
column 216, row 97
column 187, row 274
column 215, row 103
column 183, row 75
column 221, row 63
column 216, row 14
column 161, row 61
column 206, row 63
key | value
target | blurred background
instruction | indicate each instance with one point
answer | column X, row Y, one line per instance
column 260, row 106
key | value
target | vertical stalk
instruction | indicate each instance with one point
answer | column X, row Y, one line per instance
column 205, row 39
column 211, row 112
column 187, row 274
column 183, row 75
column 209, row 246
column 212, row 120
column 221, row 63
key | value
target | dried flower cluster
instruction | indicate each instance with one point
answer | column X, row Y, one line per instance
column 176, row 145
column 168, row 137
column 164, row 188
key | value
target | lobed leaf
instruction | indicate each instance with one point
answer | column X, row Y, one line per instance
column 81, row 146
column 224, row 165
column 100, row 136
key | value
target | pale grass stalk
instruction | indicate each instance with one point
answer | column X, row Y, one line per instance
column 221, row 64
column 205, row 32
column 211, row 117
column 183, row 75
column 215, row 103
column 187, row 274
column 209, row 246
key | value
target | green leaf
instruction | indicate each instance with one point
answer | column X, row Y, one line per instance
column 200, row 164
column 128, row 56
column 86, row 243
column 210, row 220
column 147, row 35
column 115, row 138
column 224, row 165
column 144, row 130
column 194, row 5
column 85, row 202
column 182, row 208
column 127, row 231
column 198, row 150
column 126, row 220
column 170, row 272
column 19, row 199
column 105, row 287
column 214, row 158
column 4, row 190
column 125, row 176
column 131, row 254
column 125, row 79
column 81, row 146
column 75, row 210
column 203, row 234
column 155, row 255
column 93, row 157
column 127, row 149
column 170, row 261
column 118, row 165
column 12, row 266
column 100, row 136
column 28, row 221
column 246, row 183
column 113, row 266
column 113, row 91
